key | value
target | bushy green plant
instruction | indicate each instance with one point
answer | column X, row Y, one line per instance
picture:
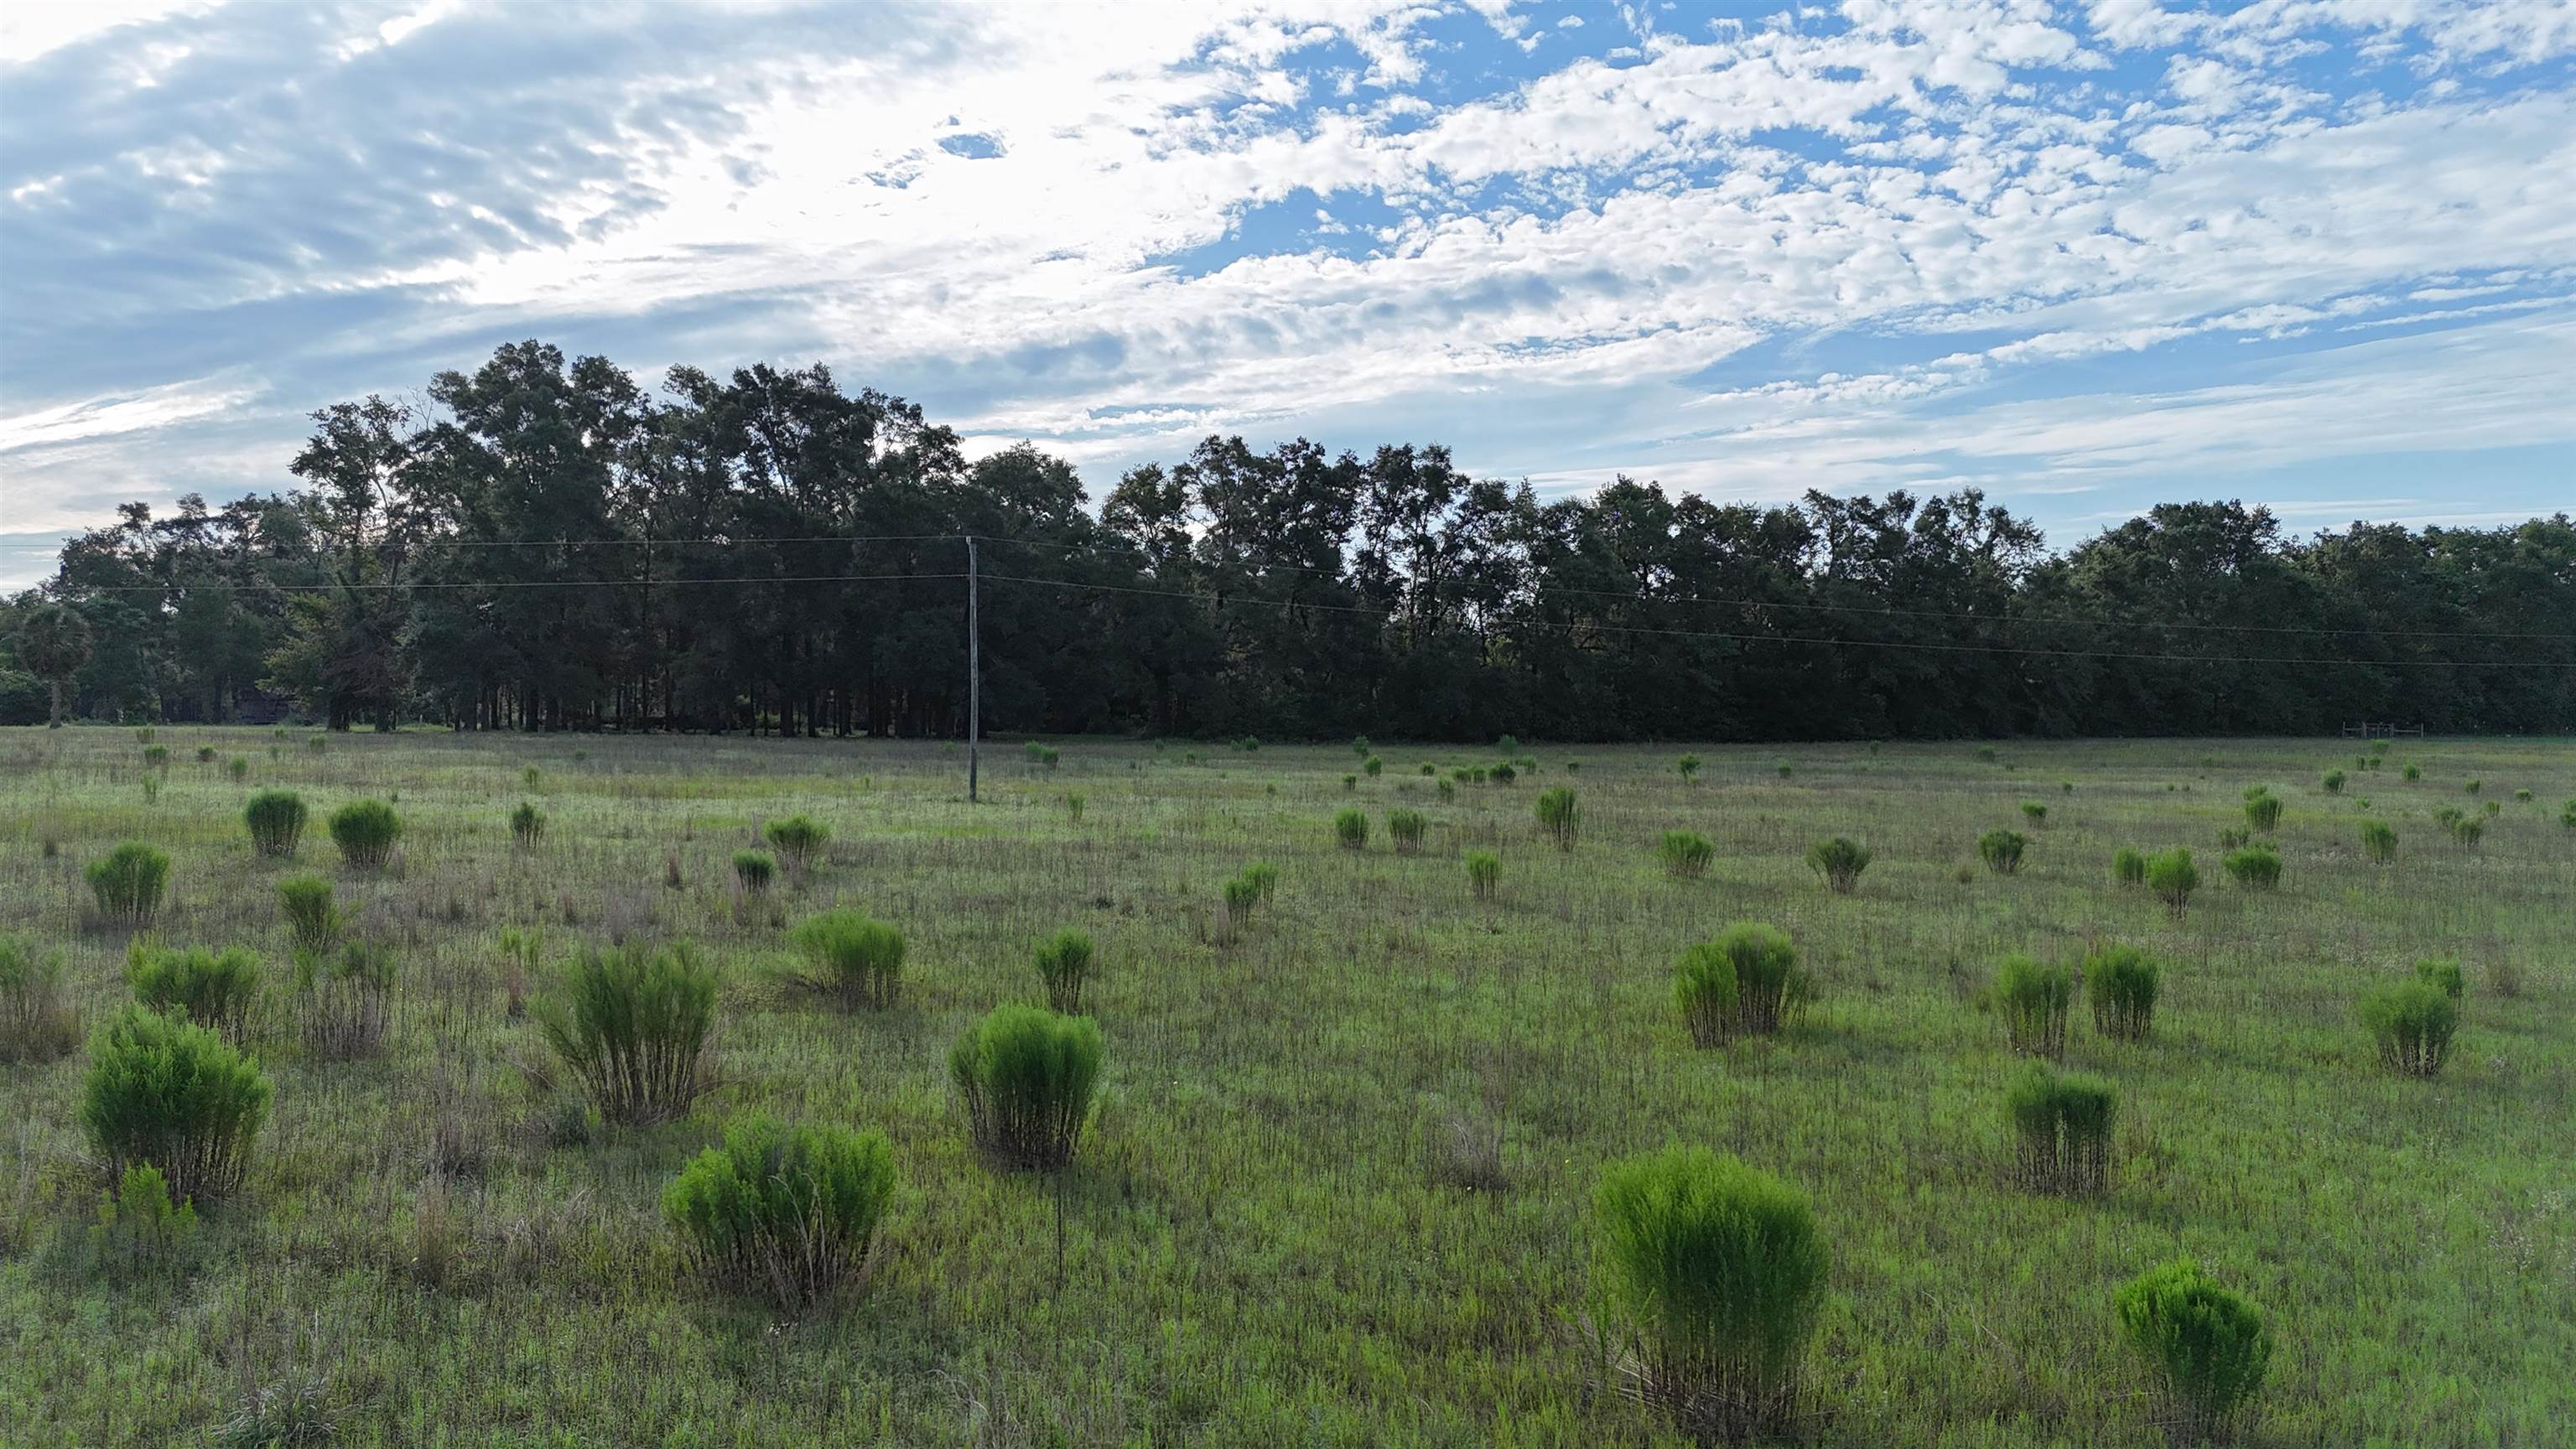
column 276, row 820
column 798, row 839
column 138, row 1224
column 2128, row 867
column 1840, row 861
column 1026, row 1077
column 2467, row 830
column 36, row 1023
column 1502, row 772
column 1688, row 765
column 2522, row 797
column 1559, row 816
column 2442, row 972
column 527, row 825
column 165, row 1091
column 636, row 1028
column 1404, row 830
column 1484, row 874
column 344, row 997
column 1722, row 1273
column 1373, row 766
column 2333, row 782
column 2256, row 867
column 238, row 768
column 789, row 1212
column 2123, row 982
column 2263, row 810
column 2378, row 841
column 1064, row 965
column 128, row 883
column 214, row 989
column 753, row 870
column 856, row 960
column 1745, row 982
column 1507, row 744
column 2474, row 786
column 2206, row 1344
column 2001, row 850
column 2412, row 772
column 365, row 831
column 312, row 915
column 2411, row 1023
column 2172, row 876
column 2062, row 1130
column 2033, row 997
column 2567, row 815
column 2034, row 812
column 1686, row 854
column 1351, row 828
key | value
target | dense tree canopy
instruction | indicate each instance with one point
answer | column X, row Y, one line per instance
column 546, row 545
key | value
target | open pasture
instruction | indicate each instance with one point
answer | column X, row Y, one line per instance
column 1339, row 1190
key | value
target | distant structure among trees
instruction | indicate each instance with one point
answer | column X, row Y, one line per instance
column 549, row 547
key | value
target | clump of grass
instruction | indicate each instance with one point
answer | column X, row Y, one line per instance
column 365, row 831
column 346, row 997
column 2442, row 972
column 1745, row 982
column 2468, row 830
column 2123, row 982
column 214, row 989
column 1560, row 816
column 1351, row 828
column 2172, row 876
column 527, row 825
column 2522, row 797
column 850, row 957
column 1484, row 874
column 1502, row 773
column 2262, row 809
column 313, row 917
column 2474, row 786
column 2378, row 841
column 2062, row 1130
column 138, row 1225
column 798, row 839
column 789, row 1212
column 2207, row 1345
column 36, row 1022
column 2033, row 998
column 1404, row 830
column 2333, row 782
column 1373, row 766
column 2411, row 1023
column 1064, row 964
column 753, row 870
column 1686, row 854
column 1026, row 1077
column 1688, row 766
column 2567, row 815
column 2256, row 867
column 238, row 768
column 2412, row 772
column 636, row 1027
column 165, row 1091
column 1840, row 862
column 2034, row 812
column 1722, row 1273
column 275, row 818
column 1250, row 890
column 2001, row 850
column 2128, row 867
column 128, row 883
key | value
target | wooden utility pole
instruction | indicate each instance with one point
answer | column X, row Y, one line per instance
column 974, row 674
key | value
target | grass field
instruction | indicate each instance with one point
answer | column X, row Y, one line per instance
column 1339, row 1189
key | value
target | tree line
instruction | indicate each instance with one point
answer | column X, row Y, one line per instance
column 543, row 544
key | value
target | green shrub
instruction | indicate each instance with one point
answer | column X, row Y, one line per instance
column 1064, row 964
column 2207, row 1345
column 527, row 825
column 138, row 1224
column 789, row 1212
column 2412, row 772
column 2474, row 786
column 2001, row 850
column 797, row 839
column 851, row 958
column 1360, row 746
column 2467, row 830
column 2129, row 868
column 1033, row 750
column 1404, row 830
column 312, row 915
column 1986, row 753
column 36, row 1023
column 1484, row 874
column 1350, row 782
column 2567, row 815
column 2172, row 876
column 2062, row 1130
column 128, row 883
column 636, row 1028
column 1745, row 982
column 1448, row 791
column 753, row 870
column 2123, row 982
column 1373, row 765
column 365, row 831
column 276, row 820
column 2034, row 812
column 1502, row 773
column 1248, row 743
column 2442, row 972
column 1559, row 816
column 213, row 989
column 1840, row 862
column 1351, row 828
column 1241, row 898
column 2333, row 782
column 1722, row 1273
column 345, row 997
column 2412, row 1023
column 2522, row 797
column 2033, row 998
column 2378, row 841
column 2256, row 867
column 170, row 1093
column 1049, row 757
column 2234, row 839
column 1685, row 854
column 238, row 768
column 1027, row 1078
column 2263, row 810
column 1507, row 744
column 1688, row 765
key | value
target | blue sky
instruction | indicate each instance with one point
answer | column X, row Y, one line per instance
column 2314, row 253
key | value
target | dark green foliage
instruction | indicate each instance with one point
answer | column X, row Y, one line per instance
column 2256, row 867
column 789, row 1212
column 1484, row 874
column 1351, row 828
column 2567, row 815
column 157, row 757
column 636, row 1027
column 1026, row 1077
column 2034, row 812
column 1501, row 772
column 2033, row 998
column 2129, row 868
column 753, row 870
column 2001, row 850
column 2522, row 797
column 1507, row 744
column 128, row 883
column 2263, row 810
column 1064, row 964
column 2172, row 876
column 1840, row 861
column 365, row 831
column 2467, row 830
column 276, row 820
column 2061, row 1126
column 2378, row 841
column 797, row 839
column 1686, row 854
column 1688, row 765
column 527, row 825
column 1559, row 816
column 1404, row 830
column 1373, row 765
column 2442, row 972
column 851, row 958
column 214, row 989
column 2412, row 772
column 2333, row 782
column 36, row 1023
column 312, row 915
column 1722, row 1273
column 2206, row 1344
column 2123, row 982
column 2411, row 1023
column 171, row 1093
column 1744, row 982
